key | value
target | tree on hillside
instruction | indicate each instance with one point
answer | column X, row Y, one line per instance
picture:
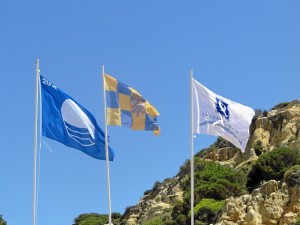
column 2, row 221
column 96, row 219
column 213, row 184
column 272, row 166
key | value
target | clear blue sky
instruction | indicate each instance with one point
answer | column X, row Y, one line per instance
column 247, row 51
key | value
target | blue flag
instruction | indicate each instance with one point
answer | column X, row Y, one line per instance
column 66, row 121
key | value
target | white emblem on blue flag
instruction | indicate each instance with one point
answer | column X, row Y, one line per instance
column 77, row 123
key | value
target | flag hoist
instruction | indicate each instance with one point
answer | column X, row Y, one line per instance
column 215, row 115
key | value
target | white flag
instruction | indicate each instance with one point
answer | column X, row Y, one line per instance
column 219, row 116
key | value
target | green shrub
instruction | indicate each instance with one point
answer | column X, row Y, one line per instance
column 292, row 176
column 272, row 165
column 147, row 192
column 96, row 219
column 213, row 180
column 211, row 204
column 280, row 105
column 177, row 208
column 297, row 222
column 170, row 222
column 258, row 147
column 154, row 221
column 129, row 208
column 184, row 169
column 206, row 210
column 2, row 221
column 178, row 213
column 181, row 219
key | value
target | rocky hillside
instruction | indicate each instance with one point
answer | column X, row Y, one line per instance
column 269, row 202
column 272, row 203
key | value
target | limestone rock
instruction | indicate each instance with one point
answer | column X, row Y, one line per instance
column 279, row 128
column 230, row 156
column 272, row 204
column 159, row 201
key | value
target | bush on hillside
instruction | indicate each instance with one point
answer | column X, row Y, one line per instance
column 207, row 210
column 213, row 180
column 2, row 221
column 178, row 213
column 280, row 105
column 147, row 192
column 216, row 181
column 272, row 165
column 96, row 219
column 181, row 219
column 211, row 204
column 258, row 147
column 292, row 176
column 154, row 221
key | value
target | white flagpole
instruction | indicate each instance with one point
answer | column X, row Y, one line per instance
column 37, row 73
column 106, row 151
column 192, row 149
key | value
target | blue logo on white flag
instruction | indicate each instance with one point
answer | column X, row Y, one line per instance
column 222, row 108
column 66, row 121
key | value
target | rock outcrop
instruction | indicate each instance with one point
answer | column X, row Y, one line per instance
column 274, row 203
column 156, row 202
column 279, row 128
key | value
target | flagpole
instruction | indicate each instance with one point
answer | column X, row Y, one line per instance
column 37, row 73
column 106, row 151
column 192, row 148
